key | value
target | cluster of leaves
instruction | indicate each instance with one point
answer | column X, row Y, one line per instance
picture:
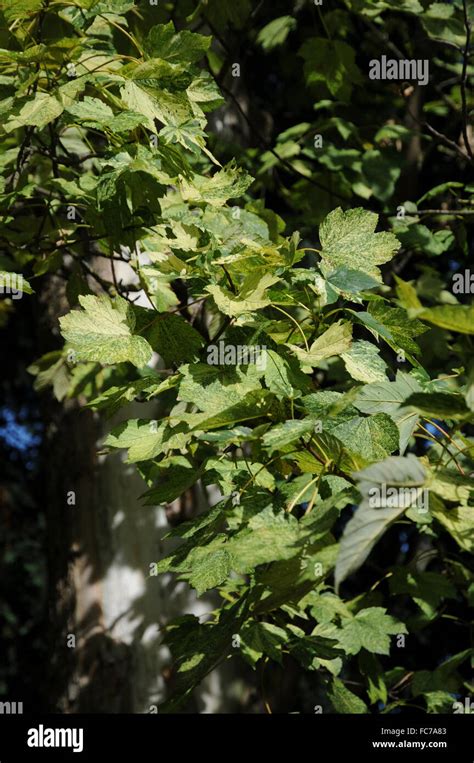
column 367, row 383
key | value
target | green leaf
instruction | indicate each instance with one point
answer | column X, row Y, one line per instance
column 451, row 486
column 92, row 111
column 17, row 9
column 351, row 281
column 213, row 389
column 381, row 171
column 252, row 295
column 441, row 405
column 188, row 133
column 229, row 13
column 288, row 581
column 283, row 376
column 315, row 652
column 158, row 288
column 164, row 42
column 331, row 63
column 115, row 397
column 145, row 439
column 229, row 183
column 371, row 668
column 259, row 638
column 51, row 370
column 173, row 477
column 335, row 341
column 406, row 294
column 229, row 475
column 363, row 362
column 253, row 406
column 458, row 318
column 14, row 284
column 204, row 91
column 428, row 589
column 369, row 629
column 276, row 32
column 348, row 240
column 154, row 103
column 125, row 121
column 439, row 702
column 198, row 648
column 343, row 700
column 444, row 677
column 420, row 238
column 103, row 332
column 388, row 489
column 38, row 112
column 44, row 108
column 208, row 569
column 173, row 338
column 142, row 438
column 459, row 522
column 283, row 434
column 389, row 397
column 439, row 190
column 399, row 328
column 269, row 537
column 368, row 439
column 440, row 23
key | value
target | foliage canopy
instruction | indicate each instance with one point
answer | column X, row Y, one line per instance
column 344, row 456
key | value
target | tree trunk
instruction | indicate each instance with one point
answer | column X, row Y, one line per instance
column 105, row 610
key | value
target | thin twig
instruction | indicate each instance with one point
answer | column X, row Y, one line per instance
column 282, row 161
column 436, row 134
column 445, row 212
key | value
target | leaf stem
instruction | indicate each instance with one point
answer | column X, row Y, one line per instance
column 295, row 322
